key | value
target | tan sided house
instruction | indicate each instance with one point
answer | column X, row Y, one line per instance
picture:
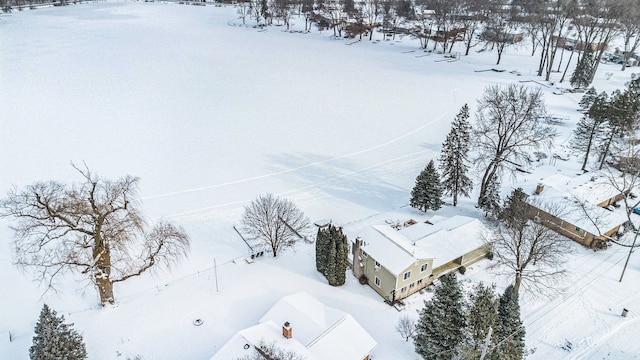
column 397, row 262
column 580, row 208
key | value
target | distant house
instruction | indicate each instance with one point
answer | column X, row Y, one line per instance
column 301, row 324
column 580, row 208
column 397, row 262
column 571, row 43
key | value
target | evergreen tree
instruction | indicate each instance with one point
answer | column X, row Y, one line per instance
column 508, row 334
column 587, row 133
column 56, row 340
column 514, row 212
column 581, row 76
column 440, row 328
column 331, row 271
column 454, row 159
column 332, row 254
column 588, row 98
column 481, row 315
column 622, row 117
column 342, row 254
column 427, row 192
column 490, row 201
column 322, row 249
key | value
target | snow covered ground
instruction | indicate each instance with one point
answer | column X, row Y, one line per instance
column 210, row 114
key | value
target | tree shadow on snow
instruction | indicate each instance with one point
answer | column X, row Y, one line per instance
column 344, row 179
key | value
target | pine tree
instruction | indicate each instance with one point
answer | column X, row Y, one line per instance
column 440, row 328
column 621, row 114
column 587, row 133
column 490, row 201
column 332, row 254
column 514, row 212
column 427, row 192
column 508, row 334
column 588, row 98
column 481, row 315
column 581, row 76
column 322, row 249
column 331, row 271
column 56, row 340
column 342, row 254
column 454, row 159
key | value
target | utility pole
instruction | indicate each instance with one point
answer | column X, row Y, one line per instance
column 486, row 344
column 628, row 256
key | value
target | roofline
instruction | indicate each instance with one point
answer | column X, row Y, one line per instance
column 314, row 341
column 393, row 241
column 330, row 328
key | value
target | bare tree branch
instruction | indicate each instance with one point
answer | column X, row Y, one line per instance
column 276, row 221
column 93, row 228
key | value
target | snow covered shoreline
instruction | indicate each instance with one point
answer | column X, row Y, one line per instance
column 210, row 115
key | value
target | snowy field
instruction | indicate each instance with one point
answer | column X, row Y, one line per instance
column 210, row 114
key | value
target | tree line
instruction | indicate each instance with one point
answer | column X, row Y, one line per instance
column 439, row 24
column 586, row 27
column 608, row 125
column 481, row 325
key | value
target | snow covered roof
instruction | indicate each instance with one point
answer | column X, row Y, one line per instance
column 594, row 187
column 562, row 196
column 445, row 240
column 319, row 332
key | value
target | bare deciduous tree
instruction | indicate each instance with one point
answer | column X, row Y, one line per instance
column 93, row 227
column 406, row 327
column 278, row 222
column 510, row 123
column 530, row 251
column 630, row 28
column 624, row 180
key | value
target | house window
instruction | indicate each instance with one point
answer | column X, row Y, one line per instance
column 407, row 275
column 377, row 281
column 412, row 285
column 377, row 264
column 364, row 254
column 419, row 281
column 424, row 267
column 404, row 289
column 580, row 231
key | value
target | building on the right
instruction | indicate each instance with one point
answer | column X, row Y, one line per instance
column 583, row 208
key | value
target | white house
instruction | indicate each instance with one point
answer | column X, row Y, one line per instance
column 301, row 324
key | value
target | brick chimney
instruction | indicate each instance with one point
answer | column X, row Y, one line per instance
column 286, row 330
column 539, row 188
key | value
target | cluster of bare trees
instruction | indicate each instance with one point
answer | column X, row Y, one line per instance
column 551, row 25
column 582, row 26
column 10, row 5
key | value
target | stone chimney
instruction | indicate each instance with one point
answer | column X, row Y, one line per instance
column 286, row 330
column 539, row 188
